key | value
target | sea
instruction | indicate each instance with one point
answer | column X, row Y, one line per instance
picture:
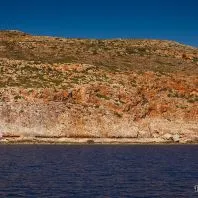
column 147, row 171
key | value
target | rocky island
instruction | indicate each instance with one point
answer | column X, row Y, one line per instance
column 60, row 90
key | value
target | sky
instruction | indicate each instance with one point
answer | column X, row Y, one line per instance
column 150, row 19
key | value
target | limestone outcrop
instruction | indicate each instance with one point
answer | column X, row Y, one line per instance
column 146, row 90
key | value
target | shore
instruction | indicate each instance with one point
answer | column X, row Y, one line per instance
column 65, row 140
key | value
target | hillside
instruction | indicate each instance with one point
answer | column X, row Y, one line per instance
column 89, row 88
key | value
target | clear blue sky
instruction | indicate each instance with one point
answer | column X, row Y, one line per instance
column 160, row 19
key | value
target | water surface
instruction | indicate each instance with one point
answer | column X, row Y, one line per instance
column 98, row 170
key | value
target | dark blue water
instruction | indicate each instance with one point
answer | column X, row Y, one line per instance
column 98, row 171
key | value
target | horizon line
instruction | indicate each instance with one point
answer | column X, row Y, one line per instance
column 97, row 38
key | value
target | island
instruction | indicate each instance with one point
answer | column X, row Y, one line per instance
column 62, row 90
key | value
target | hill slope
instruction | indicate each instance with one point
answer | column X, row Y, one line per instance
column 97, row 88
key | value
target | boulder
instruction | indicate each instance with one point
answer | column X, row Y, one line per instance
column 176, row 138
column 167, row 136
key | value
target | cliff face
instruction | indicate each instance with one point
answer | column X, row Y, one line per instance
column 97, row 88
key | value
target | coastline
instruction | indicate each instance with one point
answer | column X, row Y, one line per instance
column 92, row 141
column 90, row 91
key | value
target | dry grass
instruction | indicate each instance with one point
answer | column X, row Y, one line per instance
column 113, row 55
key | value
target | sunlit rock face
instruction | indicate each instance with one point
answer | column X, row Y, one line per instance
column 97, row 88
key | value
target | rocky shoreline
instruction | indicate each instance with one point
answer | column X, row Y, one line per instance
column 56, row 90
column 65, row 140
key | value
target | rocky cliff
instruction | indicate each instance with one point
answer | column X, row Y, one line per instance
column 88, row 88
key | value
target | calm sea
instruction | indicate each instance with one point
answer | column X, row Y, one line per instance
column 98, row 171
